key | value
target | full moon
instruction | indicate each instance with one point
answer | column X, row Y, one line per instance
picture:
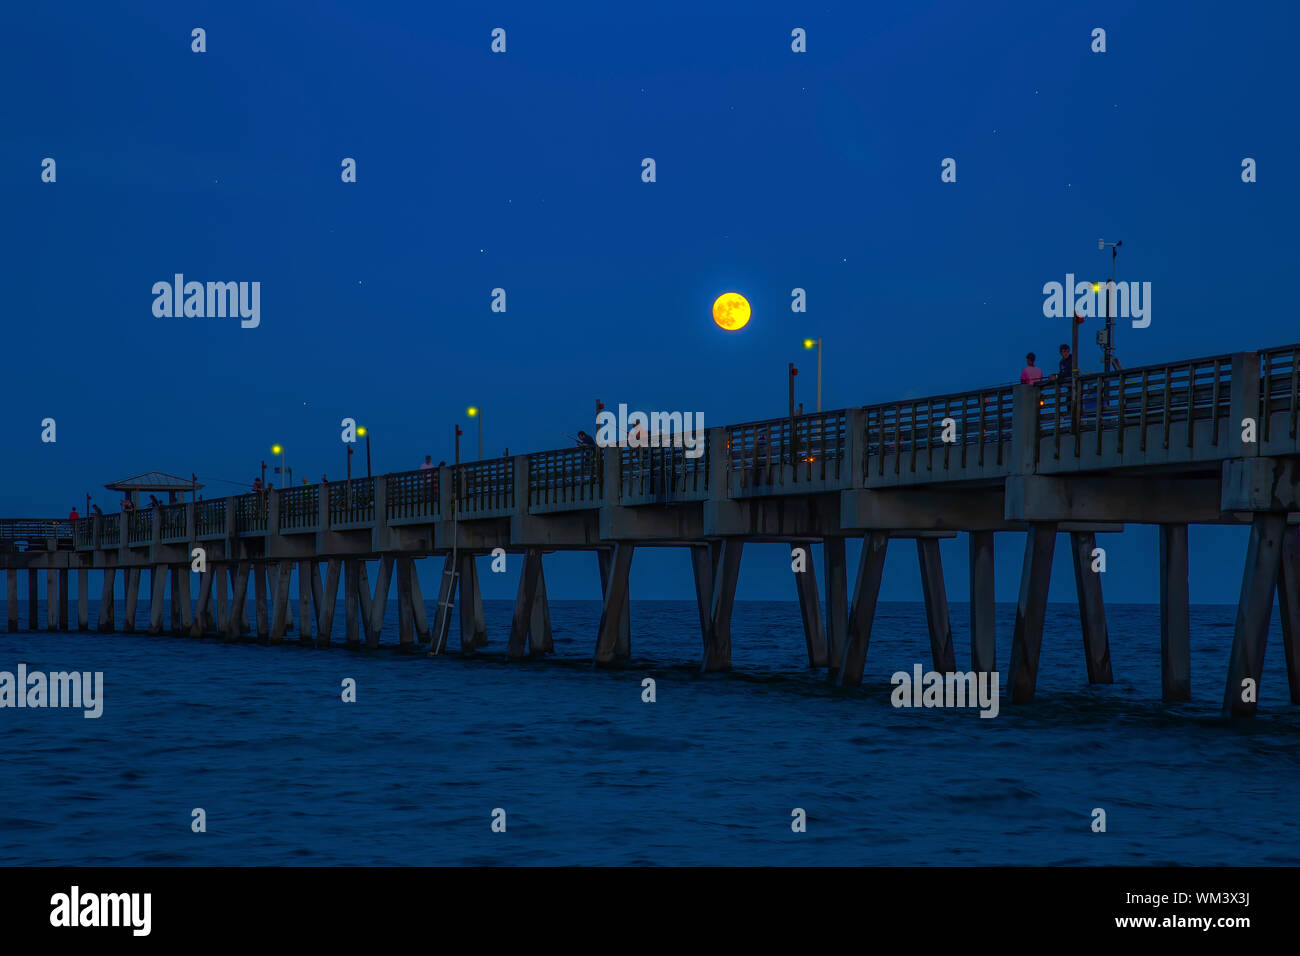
column 731, row 311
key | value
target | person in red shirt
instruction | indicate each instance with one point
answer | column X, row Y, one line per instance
column 73, row 516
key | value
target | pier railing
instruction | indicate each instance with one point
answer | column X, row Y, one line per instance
column 664, row 474
column 174, row 522
column 961, row 436
column 34, row 533
column 786, row 452
column 84, row 532
column 485, row 488
column 110, row 531
column 139, row 526
column 300, row 508
column 412, row 495
column 1279, row 395
column 352, row 502
column 251, row 513
column 210, row 518
column 566, row 479
column 1180, row 408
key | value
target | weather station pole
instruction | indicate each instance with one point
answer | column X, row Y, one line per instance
column 1107, row 339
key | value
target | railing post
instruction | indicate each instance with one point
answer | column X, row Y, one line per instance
column 855, row 446
column 1244, row 404
column 446, row 495
column 1024, row 428
column 96, row 533
column 272, row 512
column 323, row 507
column 232, row 528
column 381, row 500
column 521, row 474
column 719, row 463
column 123, row 527
column 610, row 460
column 191, row 521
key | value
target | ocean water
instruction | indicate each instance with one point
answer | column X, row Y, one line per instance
column 587, row 773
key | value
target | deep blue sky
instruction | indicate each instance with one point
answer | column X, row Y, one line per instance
column 775, row 170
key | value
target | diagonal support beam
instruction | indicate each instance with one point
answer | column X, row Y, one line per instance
column 1031, row 611
column 936, row 605
column 810, row 605
column 623, row 648
column 1250, row 635
column 866, row 592
column 1092, row 608
column 524, row 604
column 611, row 614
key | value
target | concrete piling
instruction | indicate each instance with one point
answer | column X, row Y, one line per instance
column 983, row 628
column 540, row 639
column 131, row 584
column 11, row 599
column 83, row 599
column 717, row 654
column 157, row 590
column 1175, row 615
column 1288, row 596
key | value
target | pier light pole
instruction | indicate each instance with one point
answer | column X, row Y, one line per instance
column 279, row 450
column 475, row 412
column 458, row 434
column 363, row 430
column 817, row 344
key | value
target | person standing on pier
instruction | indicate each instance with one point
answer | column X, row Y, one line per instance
column 72, row 515
column 1031, row 374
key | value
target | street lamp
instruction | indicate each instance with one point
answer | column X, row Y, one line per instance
column 475, row 412
column 363, row 430
column 279, row 450
column 817, row 344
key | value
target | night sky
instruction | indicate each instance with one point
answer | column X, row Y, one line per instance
column 522, row 170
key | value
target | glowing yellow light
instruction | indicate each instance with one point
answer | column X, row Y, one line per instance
column 1096, row 287
column 731, row 311
column 362, row 431
column 275, row 449
column 808, row 343
column 472, row 411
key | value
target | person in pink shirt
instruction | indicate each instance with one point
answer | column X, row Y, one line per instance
column 1031, row 374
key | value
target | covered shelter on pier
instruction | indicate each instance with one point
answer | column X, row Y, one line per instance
column 154, row 482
